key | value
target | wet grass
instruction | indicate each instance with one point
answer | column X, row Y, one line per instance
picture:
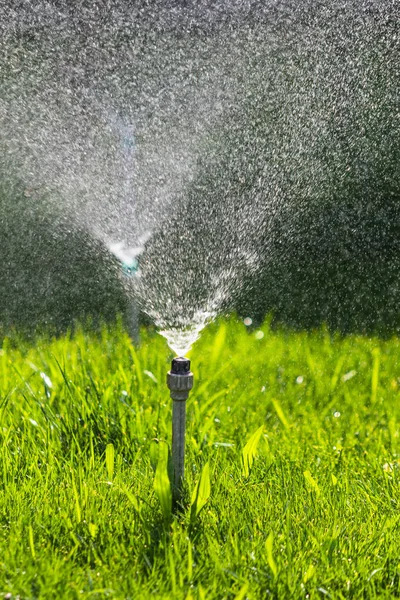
column 305, row 507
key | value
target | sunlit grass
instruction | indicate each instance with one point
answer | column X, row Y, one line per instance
column 292, row 469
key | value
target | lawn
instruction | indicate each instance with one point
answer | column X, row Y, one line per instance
column 292, row 470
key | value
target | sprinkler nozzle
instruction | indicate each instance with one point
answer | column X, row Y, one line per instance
column 180, row 379
column 180, row 366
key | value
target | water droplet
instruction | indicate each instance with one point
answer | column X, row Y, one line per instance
column 348, row 376
column 46, row 379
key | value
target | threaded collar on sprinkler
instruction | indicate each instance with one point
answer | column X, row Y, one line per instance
column 180, row 379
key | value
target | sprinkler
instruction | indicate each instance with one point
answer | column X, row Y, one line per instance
column 130, row 268
column 180, row 382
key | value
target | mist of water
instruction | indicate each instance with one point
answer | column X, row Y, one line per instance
column 189, row 135
column 182, row 337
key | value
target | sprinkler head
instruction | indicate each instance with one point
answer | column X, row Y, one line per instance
column 130, row 268
column 180, row 366
column 180, row 379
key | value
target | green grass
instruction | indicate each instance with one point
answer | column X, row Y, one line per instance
column 306, row 507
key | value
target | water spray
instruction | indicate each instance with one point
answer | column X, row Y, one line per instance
column 180, row 382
